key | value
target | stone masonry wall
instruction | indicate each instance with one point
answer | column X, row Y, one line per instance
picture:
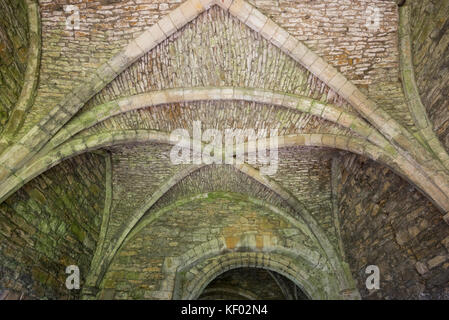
column 337, row 31
column 220, row 115
column 217, row 50
column 140, row 170
column 386, row 222
column 136, row 271
column 49, row 224
column 430, row 37
column 13, row 53
column 54, row 220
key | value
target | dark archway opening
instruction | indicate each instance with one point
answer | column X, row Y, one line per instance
column 252, row 284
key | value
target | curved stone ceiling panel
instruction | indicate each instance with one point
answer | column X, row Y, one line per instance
column 216, row 50
column 430, row 38
column 219, row 115
column 189, row 226
column 14, row 42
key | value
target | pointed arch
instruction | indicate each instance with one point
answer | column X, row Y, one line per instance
column 264, row 260
column 31, row 78
column 418, row 157
column 391, row 158
column 314, row 259
column 38, row 136
column 416, row 107
column 77, row 146
column 179, row 95
column 292, row 254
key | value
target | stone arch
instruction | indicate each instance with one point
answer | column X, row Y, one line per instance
column 418, row 160
column 179, row 95
column 37, row 137
column 73, row 147
column 31, row 76
column 430, row 177
column 248, row 255
column 315, row 256
column 410, row 86
column 136, row 136
column 266, row 262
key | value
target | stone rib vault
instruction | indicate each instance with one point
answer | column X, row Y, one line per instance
column 85, row 172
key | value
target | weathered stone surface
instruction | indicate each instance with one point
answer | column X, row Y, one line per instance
column 51, row 223
column 328, row 214
column 430, row 39
column 140, row 262
column 219, row 115
column 388, row 223
column 224, row 45
column 14, row 42
column 421, row 268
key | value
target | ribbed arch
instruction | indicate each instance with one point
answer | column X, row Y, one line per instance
column 421, row 164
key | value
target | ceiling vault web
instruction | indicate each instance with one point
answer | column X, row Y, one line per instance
column 363, row 169
column 388, row 134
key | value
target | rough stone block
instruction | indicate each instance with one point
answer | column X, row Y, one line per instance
column 328, row 140
column 332, row 113
column 307, row 141
column 133, row 51
column 355, row 146
column 150, row 38
column 347, row 90
column 421, row 268
column 214, row 94
column 119, row 62
column 106, row 73
column 341, row 142
column 328, row 73
column 135, row 102
column 315, row 139
column 290, row 101
column 278, row 99
column 159, row 98
column 202, row 94
column 96, row 82
column 189, row 94
column 305, row 105
column 175, row 96
column 19, row 152
column 299, row 52
column 318, row 66
column 317, row 109
column 436, row 261
column 359, row 100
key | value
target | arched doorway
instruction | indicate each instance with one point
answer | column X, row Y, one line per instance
column 252, row 284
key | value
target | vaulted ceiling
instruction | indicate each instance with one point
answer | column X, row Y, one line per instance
column 355, row 111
